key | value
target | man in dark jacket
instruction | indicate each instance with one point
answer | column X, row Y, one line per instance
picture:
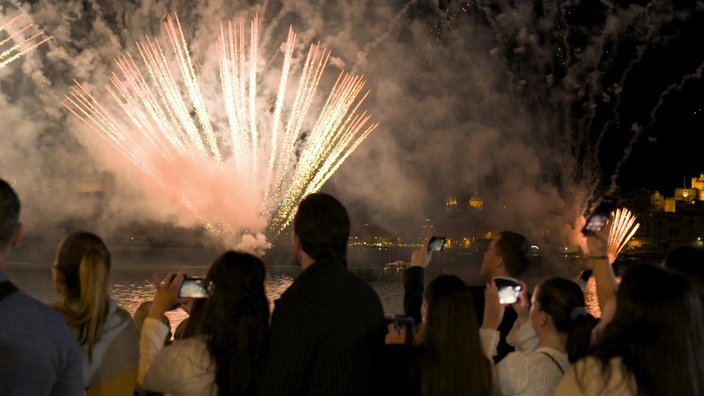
column 507, row 255
column 327, row 330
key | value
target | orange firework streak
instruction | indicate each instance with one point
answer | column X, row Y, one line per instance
column 15, row 44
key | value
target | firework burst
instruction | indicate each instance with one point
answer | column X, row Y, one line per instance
column 164, row 123
column 18, row 39
column 623, row 227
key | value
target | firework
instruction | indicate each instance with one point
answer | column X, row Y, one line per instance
column 164, row 122
column 623, row 227
column 15, row 43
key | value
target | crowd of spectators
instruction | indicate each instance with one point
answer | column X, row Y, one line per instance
column 327, row 334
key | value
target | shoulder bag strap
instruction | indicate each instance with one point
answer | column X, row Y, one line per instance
column 554, row 361
column 6, row 288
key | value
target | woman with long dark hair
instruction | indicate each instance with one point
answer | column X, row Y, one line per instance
column 225, row 354
column 448, row 358
column 453, row 359
column 653, row 345
column 105, row 332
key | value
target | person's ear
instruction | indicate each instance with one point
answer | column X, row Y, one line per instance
column 296, row 242
column 543, row 318
column 499, row 263
column 18, row 236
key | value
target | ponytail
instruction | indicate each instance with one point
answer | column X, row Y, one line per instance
column 563, row 300
column 93, row 301
column 578, row 341
column 84, row 264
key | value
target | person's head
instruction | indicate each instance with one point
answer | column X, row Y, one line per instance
column 657, row 331
column 81, row 266
column 451, row 341
column 688, row 262
column 236, row 320
column 10, row 226
column 507, row 255
column 322, row 227
column 558, row 305
column 235, row 278
column 80, row 274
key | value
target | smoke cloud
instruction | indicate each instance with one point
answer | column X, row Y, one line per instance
column 508, row 100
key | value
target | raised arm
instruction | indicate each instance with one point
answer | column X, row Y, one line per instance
column 153, row 330
column 413, row 284
column 493, row 314
column 604, row 277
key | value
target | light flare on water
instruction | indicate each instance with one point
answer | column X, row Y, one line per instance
column 164, row 121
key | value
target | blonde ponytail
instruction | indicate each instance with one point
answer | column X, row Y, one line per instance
column 94, row 298
column 84, row 263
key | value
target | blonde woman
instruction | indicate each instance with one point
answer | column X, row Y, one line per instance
column 107, row 335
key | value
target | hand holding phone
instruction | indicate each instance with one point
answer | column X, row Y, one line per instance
column 193, row 288
column 509, row 289
column 598, row 217
column 165, row 294
column 436, row 243
column 408, row 323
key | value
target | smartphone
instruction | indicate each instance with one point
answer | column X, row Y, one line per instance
column 400, row 321
column 193, row 288
column 509, row 289
column 436, row 243
column 601, row 213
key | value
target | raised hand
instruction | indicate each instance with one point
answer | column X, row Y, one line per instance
column 493, row 310
column 522, row 306
column 165, row 294
column 421, row 256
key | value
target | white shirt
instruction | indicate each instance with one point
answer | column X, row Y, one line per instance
column 183, row 368
column 528, row 371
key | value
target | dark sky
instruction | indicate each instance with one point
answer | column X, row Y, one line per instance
column 642, row 109
column 537, row 106
column 664, row 95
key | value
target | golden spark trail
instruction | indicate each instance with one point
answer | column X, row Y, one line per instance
column 163, row 124
column 233, row 92
column 622, row 229
column 310, row 78
column 180, row 47
column 253, row 94
column 288, row 54
column 21, row 45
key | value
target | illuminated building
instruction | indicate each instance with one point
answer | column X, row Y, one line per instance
column 698, row 183
column 657, row 201
column 476, row 202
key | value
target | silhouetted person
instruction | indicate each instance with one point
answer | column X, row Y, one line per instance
column 447, row 357
column 38, row 354
column 327, row 329
column 652, row 345
column 507, row 255
column 688, row 262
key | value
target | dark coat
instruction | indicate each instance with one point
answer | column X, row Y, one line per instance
column 327, row 334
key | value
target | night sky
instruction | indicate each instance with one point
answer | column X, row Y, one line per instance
column 537, row 106
column 663, row 99
column 643, row 113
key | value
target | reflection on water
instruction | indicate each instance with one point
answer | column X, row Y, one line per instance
column 591, row 302
column 131, row 281
column 132, row 273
